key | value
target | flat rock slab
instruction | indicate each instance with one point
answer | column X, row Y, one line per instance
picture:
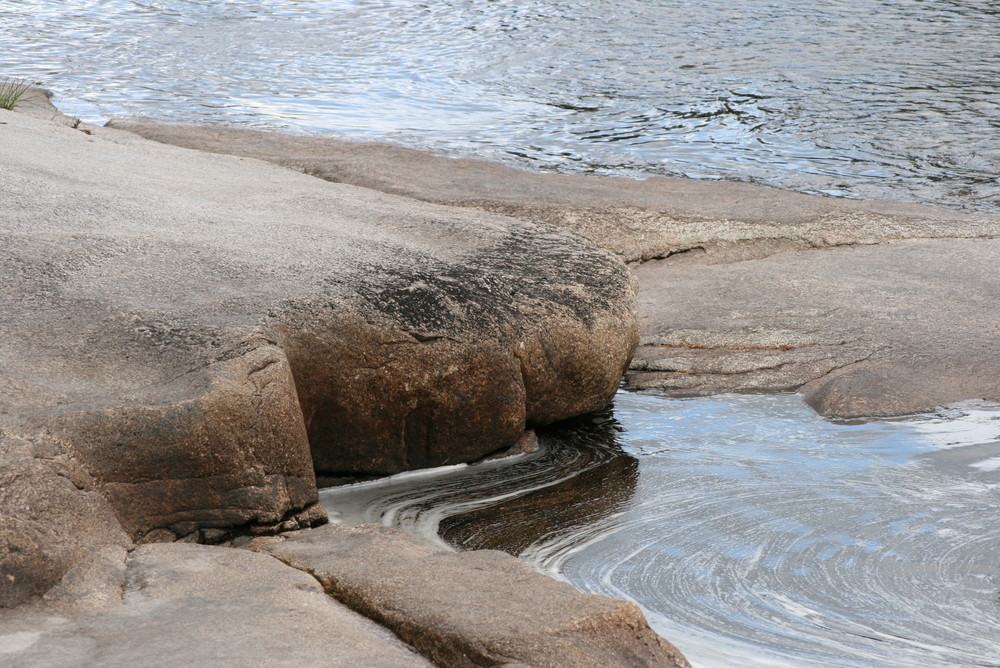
column 189, row 336
column 196, row 605
column 482, row 608
column 861, row 330
column 637, row 219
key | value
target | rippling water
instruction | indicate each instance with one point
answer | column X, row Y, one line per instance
column 894, row 99
column 752, row 531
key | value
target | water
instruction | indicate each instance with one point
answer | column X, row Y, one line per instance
column 881, row 99
column 751, row 531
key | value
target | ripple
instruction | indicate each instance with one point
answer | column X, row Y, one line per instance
column 761, row 92
column 750, row 530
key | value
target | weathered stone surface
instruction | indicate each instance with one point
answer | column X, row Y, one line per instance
column 196, row 605
column 712, row 319
column 863, row 331
column 482, row 608
column 52, row 519
column 195, row 332
column 639, row 220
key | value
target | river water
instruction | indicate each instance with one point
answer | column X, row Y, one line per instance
column 751, row 531
column 880, row 99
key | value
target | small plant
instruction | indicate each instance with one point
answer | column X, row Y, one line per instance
column 11, row 92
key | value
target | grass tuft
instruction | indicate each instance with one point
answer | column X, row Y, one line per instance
column 11, row 92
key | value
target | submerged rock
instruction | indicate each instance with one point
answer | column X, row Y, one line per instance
column 187, row 336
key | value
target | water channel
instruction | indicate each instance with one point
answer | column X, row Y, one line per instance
column 752, row 531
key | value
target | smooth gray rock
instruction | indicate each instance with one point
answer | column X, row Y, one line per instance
column 637, row 219
column 196, row 605
column 199, row 333
column 481, row 608
column 862, row 331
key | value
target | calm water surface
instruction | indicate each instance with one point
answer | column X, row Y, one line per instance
column 751, row 531
column 893, row 99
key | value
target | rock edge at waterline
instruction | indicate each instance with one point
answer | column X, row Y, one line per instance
column 477, row 608
column 186, row 336
column 867, row 308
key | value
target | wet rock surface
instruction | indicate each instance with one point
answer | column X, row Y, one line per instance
column 480, row 608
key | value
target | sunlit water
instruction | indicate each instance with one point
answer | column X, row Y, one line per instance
column 750, row 530
column 882, row 99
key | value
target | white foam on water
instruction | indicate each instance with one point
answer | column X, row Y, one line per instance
column 750, row 530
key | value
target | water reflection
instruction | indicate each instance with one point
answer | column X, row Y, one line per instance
column 578, row 478
column 898, row 99
column 602, row 485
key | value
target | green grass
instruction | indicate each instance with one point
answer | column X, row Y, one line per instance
column 11, row 92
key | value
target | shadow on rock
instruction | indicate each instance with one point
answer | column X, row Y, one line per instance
column 601, row 481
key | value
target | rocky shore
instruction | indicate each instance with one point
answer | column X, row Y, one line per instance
column 867, row 308
column 190, row 338
column 193, row 332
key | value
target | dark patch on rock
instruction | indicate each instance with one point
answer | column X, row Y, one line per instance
column 201, row 333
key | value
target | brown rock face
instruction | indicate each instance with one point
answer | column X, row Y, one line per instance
column 52, row 517
column 194, row 334
column 481, row 608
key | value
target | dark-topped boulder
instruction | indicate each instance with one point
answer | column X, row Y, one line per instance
column 868, row 308
column 196, row 334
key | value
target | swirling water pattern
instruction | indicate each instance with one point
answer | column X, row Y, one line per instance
column 750, row 530
column 881, row 99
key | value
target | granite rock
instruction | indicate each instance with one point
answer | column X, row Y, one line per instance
column 198, row 605
column 480, row 608
column 199, row 334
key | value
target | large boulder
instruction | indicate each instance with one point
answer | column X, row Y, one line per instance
column 869, row 308
column 199, row 334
